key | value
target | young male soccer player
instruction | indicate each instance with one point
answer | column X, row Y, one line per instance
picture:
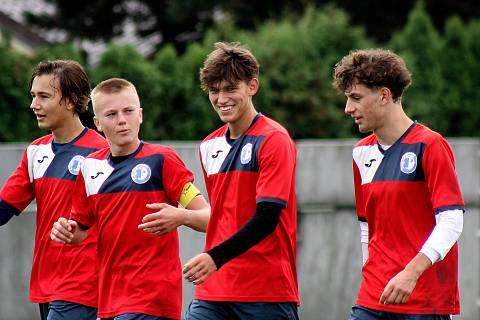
column 249, row 268
column 118, row 189
column 67, row 288
column 407, row 195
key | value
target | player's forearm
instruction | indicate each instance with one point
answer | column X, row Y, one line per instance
column 418, row 265
column 197, row 214
column 197, row 219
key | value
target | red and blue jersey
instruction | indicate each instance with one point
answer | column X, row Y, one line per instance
column 257, row 167
column 47, row 172
column 398, row 192
column 139, row 272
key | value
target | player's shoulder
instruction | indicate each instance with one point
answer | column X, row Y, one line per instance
column 220, row 132
column 422, row 134
column 100, row 154
column 91, row 139
column 46, row 139
column 369, row 140
column 269, row 126
column 150, row 149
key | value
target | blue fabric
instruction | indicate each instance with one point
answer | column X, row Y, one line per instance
column 212, row 310
column 361, row 313
column 135, row 316
column 64, row 310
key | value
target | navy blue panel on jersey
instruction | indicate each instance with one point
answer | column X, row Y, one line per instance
column 402, row 162
column 274, row 200
column 120, row 180
column 242, row 156
column 64, row 157
column 442, row 209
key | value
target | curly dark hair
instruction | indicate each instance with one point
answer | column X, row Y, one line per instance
column 74, row 83
column 230, row 62
column 374, row 68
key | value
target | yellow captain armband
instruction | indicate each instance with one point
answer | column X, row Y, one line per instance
column 188, row 193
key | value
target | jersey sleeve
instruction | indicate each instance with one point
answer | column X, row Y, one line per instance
column 19, row 190
column 81, row 211
column 359, row 203
column 442, row 182
column 277, row 162
column 175, row 176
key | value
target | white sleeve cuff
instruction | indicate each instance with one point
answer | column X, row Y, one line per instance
column 364, row 240
column 449, row 226
column 431, row 254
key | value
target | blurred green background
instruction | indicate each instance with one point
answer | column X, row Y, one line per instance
column 297, row 44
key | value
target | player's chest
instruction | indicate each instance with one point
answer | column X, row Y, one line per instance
column 136, row 174
column 402, row 162
column 219, row 155
column 65, row 164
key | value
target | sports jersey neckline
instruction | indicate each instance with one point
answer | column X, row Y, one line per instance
column 119, row 163
column 231, row 141
column 399, row 140
column 59, row 146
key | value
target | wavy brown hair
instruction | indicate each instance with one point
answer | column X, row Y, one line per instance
column 230, row 62
column 374, row 68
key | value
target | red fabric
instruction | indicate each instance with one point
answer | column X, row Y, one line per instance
column 59, row 272
column 267, row 271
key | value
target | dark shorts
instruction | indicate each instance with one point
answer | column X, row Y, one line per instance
column 213, row 310
column 361, row 313
column 135, row 316
column 64, row 310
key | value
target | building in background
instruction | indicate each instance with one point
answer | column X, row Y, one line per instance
column 26, row 39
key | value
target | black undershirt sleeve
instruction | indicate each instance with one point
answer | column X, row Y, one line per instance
column 7, row 212
column 262, row 223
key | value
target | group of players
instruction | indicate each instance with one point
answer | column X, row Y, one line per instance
column 106, row 244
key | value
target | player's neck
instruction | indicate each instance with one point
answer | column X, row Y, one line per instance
column 68, row 131
column 394, row 127
column 238, row 128
column 125, row 149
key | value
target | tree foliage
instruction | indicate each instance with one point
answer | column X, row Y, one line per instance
column 182, row 21
column 296, row 57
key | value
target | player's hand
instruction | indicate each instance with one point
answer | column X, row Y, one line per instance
column 199, row 268
column 166, row 219
column 399, row 288
column 63, row 230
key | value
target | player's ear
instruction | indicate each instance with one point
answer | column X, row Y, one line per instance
column 97, row 123
column 141, row 115
column 385, row 95
column 69, row 105
column 253, row 86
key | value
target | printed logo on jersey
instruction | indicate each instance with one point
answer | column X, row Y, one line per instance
column 39, row 159
column 75, row 164
column 368, row 165
column 214, row 156
column 43, row 159
column 96, row 175
column 141, row 173
column 246, row 154
column 213, row 153
column 408, row 163
column 368, row 159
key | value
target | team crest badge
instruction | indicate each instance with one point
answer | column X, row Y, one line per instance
column 141, row 173
column 408, row 163
column 75, row 164
column 246, row 154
